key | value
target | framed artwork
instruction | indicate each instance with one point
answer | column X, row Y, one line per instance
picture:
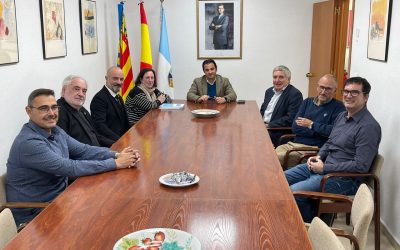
column 52, row 16
column 88, row 17
column 219, row 29
column 8, row 33
column 379, row 29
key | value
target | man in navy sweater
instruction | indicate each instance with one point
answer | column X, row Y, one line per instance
column 314, row 120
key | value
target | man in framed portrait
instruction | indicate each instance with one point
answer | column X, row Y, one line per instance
column 219, row 25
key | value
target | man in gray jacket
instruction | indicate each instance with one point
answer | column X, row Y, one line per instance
column 211, row 86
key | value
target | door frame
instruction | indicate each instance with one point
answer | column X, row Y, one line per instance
column 341, row 26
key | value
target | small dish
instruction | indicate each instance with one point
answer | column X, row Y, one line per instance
column 179, row 179
column 158, row 238
column 205, row 113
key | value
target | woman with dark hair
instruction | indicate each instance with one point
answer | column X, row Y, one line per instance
column 144, row 96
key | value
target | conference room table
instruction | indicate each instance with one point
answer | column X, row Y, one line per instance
column 242, row 200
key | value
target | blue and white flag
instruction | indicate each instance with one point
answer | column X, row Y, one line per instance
column 165, row 82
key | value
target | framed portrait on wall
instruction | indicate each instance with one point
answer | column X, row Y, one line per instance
column 219, row 29
column 8, row 33
column 88, row 17
column 52, row 16
column 379, row 29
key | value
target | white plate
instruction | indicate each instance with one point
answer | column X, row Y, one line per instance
column 205, row 113
column 173, row 239
column 166, row 180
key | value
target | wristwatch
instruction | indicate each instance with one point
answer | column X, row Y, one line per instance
column 116, row 155
column 310, row 127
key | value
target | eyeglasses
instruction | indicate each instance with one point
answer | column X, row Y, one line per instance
column 353, row 93
column 326, row 89
column 45, row 109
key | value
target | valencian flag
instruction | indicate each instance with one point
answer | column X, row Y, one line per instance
column 164, row 74
column 124, row 56
column 145, row 58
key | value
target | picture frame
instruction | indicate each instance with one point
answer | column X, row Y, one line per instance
column 8, row 33
column 52, row 17
column 88, row 19
column 219, row 29
column 379, row 29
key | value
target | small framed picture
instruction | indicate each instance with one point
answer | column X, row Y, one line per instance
column 88, row 17
column 379, row 29
column 8, row 33
column 219, row 29
column 52, row 17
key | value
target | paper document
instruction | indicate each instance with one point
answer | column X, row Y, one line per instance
column 172, row 106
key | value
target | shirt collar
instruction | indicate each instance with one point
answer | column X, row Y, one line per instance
column 211, row 83
column 278, row 92
column 111, row 92
column 315, row 101
column 357, row 116
column 42, row 132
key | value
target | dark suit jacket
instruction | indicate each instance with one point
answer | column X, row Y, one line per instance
column 110, row 119
column 220, row 35
column 69, row 120
column 285, row 110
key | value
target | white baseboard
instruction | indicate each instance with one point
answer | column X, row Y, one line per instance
column 390, row 236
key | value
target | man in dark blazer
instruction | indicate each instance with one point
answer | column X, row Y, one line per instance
column 74, row 118
column 281, row 102
column 107, row 107
column 219, row 25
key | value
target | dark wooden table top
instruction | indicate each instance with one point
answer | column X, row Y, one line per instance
column 241, row 202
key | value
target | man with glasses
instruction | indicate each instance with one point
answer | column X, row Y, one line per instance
column 314, row 120
column 351, row 147
column 43, row 156
column 74, row 118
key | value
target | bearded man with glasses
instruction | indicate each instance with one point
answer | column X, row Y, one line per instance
column 43, row 156
column 351, row 147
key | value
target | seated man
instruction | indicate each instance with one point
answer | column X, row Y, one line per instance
column 211, row 86
column 74, row 118
column 351, row 147
column 108, row 109
column 314, row 121
column 43, row 156
column 281, row 102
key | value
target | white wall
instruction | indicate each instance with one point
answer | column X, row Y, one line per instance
column 383, row 103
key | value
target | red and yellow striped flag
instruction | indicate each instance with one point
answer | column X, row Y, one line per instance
column 124, row 55
column 145, row 58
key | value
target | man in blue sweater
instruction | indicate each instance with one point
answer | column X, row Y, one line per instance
column 314, row 120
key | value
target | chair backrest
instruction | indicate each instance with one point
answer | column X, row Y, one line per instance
column 362, row 211
column 376, row 168
column 8, row 229
column 3, row 181
column 322, row 237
